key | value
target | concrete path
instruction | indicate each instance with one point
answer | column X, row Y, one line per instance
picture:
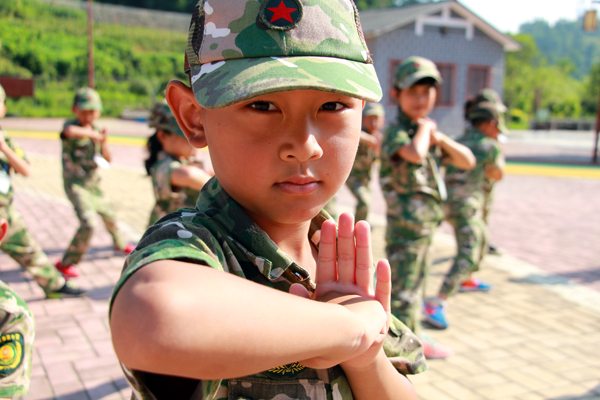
column 536, row 336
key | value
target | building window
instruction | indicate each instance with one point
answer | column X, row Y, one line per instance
column 446, row 90
column 478, row 79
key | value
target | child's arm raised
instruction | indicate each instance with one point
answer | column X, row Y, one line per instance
column 17, row 162
column 418, row 148
column 79, row 132
column 460, row 155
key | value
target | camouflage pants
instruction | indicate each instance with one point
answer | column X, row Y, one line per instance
column 411, row 223
column 360, row 190
column 22, row 247
column 488, row 199
column 17, row 331
column 89, row 201
column 471, row 240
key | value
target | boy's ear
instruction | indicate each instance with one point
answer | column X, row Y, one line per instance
column 187, row 112
column 394, row 93
column 3, row 228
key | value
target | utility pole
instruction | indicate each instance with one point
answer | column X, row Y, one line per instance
column 91, row 77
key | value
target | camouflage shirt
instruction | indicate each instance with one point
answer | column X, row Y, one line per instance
column 462, row 184
column 6, row 170
column 169, row 198
column 78, row 157
column 401, row 176
column 365, row 156
column 219, row 234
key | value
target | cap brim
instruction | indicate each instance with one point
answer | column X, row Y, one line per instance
column 87, row 107
column 223, row 83
column 502, row 126
column 417, row 76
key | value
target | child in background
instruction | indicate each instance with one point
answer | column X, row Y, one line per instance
column 412, row 151
column 466, row 200
column 369, row 147
column 177, row 176
column 247, row 295
column 20, row 244
column 84, row 149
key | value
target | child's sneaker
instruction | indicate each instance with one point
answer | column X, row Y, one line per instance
column 492, row 249
column 435, row 314
column 127, row 250
column 68, row 271
column 474, row 285
column 434, row 350
column 69, row 289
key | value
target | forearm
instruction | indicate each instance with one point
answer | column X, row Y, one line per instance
column 190, row 320
column 20, row 165
column 460, row 155
column 380, row 381
column 189, row 176
column 418, row 148
column 79, row 132
column 106, row 153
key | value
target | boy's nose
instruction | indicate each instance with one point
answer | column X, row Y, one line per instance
column 301, row 145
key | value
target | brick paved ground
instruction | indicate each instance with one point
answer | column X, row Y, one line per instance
column 524, row 340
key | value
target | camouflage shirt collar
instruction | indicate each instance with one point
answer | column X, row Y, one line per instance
column 474, row 133
column 255, row 243
column 407, row 122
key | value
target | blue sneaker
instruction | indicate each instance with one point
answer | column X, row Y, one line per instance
column 474, row 285
column 435, row 314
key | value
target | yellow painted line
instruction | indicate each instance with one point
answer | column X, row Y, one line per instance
column 560, row 171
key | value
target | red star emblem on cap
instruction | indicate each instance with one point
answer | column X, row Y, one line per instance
column 281, row 11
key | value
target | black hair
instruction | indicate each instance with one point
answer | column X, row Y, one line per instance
column 468, row 105
column 423, row 81
column 154, row 146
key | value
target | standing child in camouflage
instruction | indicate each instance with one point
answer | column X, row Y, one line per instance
column 369, row 147
column 465, row 206
column 17, row 331
column 247, row 296
column 20, row 244
column 84, row 149
column 410, row 179
column 177, row 176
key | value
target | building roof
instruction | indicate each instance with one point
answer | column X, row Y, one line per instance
column 378, row 22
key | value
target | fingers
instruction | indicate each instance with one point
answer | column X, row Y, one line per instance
column 346, row 250
column 327, row 254
column 383, row 286
column 298, row 290
column 364, row 257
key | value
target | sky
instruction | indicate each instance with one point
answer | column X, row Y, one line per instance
column 508, row 15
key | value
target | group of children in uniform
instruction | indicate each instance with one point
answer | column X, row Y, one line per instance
column 251, row 290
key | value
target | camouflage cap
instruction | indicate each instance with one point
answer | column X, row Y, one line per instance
column 373, row 109
column 491, row 96
column 239, row 49
column 161, row 117
column 487, row 111
column 87, row 99
column 2, row 94
column 413, row 69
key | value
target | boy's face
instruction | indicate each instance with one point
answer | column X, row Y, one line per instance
column 373, row 122
column 490, row 129
column 85, row 117
column 282, row 156
column 2, row 109
column 417, row 101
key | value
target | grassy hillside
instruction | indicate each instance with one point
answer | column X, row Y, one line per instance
column 49, row 42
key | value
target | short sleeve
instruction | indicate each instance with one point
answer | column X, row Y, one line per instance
column 393, row 140
column 404, row 349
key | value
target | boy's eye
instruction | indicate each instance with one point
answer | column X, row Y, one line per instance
column 263, row 106
column 333, row 106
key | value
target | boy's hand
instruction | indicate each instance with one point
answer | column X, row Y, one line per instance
column 345, row 277
column 103, row 136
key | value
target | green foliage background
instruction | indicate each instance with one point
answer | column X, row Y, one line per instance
column 50, row 43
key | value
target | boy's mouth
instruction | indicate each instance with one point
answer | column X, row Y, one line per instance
column 298, row 185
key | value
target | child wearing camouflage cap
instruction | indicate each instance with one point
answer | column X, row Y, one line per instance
column 177, row 176
column 369, row 147
column 84, row 149
column 20, row 245
column 464, row 207
column 412, row 151
column 248, row 295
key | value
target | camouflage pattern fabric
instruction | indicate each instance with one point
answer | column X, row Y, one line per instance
column 168, row 198
column 488, row 199
column 87, row 99
column 19, row 244
column 413, row 193
column 413, row 69
column 162, row 118
column 241, row 49
column 17, row 332
column 219, row 234
column 82, row 186
column 359, row 178
column 466, row 198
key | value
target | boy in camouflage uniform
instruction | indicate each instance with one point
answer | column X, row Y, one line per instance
column 17, row 331
column 369, row 148
column 464, row 207
column 84, row 149
column 19, row 243
column 224, row 294
column 412, row 151
column 176, row 175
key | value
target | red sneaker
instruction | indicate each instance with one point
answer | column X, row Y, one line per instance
column 68, row 271
column 128, row 248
